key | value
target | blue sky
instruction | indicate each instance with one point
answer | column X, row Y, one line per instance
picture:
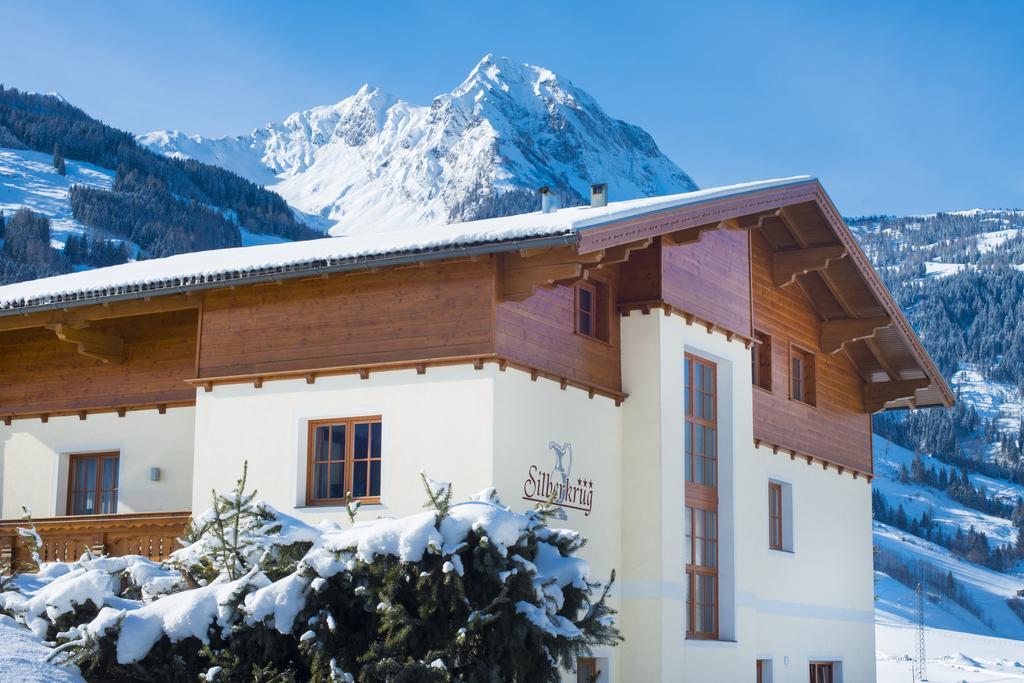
column 899, row 107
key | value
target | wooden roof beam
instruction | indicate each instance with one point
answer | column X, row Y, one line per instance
column 788, row 264
column 105, row 311
column 835, row 334
column 883, row 362
column 877, row 394
column 522, row 275
column 105, row 347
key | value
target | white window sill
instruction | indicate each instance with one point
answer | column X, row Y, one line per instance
column 783, row 552
column 700, row 642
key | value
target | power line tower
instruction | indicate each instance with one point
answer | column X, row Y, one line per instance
column 920, row 672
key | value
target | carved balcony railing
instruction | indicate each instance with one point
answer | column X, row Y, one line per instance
column 151, row 534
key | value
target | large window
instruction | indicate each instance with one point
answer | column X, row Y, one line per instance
column 344, row 457
column 92, row 483
column 701, row 465
column 823, row 672
column 774, row 515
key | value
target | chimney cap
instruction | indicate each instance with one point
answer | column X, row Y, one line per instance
column 599, row 195
column 544, row 190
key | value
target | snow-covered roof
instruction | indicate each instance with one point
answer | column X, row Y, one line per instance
column 208, row 268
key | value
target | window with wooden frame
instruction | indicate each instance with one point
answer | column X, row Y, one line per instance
column 92, row 483
column 344, row 457
column 761, row 361
column 586, row 670
column 701, row 473
column 592, row 310
column 823, row 672
column 764, row 671
column 801, row 376
column 775, row 516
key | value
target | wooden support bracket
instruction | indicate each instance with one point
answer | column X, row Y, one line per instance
column 787, row 265
column 877, row 394
column 837, row 333
column 105, row 347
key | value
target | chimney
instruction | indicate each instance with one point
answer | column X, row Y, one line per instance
column 599, row 195
column 547, row 200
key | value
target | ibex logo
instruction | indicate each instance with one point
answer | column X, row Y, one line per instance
column 541, row 484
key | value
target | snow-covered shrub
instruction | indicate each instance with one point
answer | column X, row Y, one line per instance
column 468, row 592
column 62, row 595
column 237, row 534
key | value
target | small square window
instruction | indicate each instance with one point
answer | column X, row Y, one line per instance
column 344, row 457
column 761, row 361
column 801, row 376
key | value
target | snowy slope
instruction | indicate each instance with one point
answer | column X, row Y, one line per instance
column 28, row 179
column 373, row 162
column 951, row 656
column 948, row 513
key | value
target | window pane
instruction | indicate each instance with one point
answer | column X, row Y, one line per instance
column 359, row 479
column 586, row 326
column 336, row 489
column 109, row 473
column 689, row 535
column 108, row 503
column 337, row 452
column 362, row 441
column 320, row 480
column 88, row 480
column 375, row 478
column 375, row 440
column 586, row 300
column 321, row 440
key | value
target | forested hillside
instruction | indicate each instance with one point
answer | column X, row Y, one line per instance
column 158, row 205
column 957, row 487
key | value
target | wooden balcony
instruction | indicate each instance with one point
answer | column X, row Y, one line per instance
column 151, row 534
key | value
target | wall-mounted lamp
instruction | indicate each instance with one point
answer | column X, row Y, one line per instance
column 154, row 474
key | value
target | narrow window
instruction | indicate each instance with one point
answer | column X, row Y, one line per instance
column 822, row 672
column 701, row 524
column 801, row 373
column 344, row 457
column 775, row 516
column 764, row 671
column 592, row 303
column 761, row 361
column 92, row 483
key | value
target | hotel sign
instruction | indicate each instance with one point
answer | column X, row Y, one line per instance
column 558, row 483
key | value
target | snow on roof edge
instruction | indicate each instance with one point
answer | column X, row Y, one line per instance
column 210, row 268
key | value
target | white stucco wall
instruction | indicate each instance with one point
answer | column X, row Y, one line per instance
column 441, row 422
column 814, row 603
column 34, row 459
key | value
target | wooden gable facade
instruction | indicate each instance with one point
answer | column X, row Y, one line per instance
column 777, row 264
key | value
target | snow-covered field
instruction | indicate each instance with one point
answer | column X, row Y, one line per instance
column 22, row 657
column 950, row 656
column 28, row 179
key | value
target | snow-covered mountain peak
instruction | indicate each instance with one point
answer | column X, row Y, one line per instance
column 374, row 162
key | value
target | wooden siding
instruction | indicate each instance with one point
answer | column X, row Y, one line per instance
column 42, row 375
column 540, row 332
column 836, row 429
column 435, row 311
column 711, row 279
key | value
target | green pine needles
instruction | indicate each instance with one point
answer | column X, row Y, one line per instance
column 462, row 592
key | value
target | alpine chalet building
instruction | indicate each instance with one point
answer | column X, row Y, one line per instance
column 693, row 377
